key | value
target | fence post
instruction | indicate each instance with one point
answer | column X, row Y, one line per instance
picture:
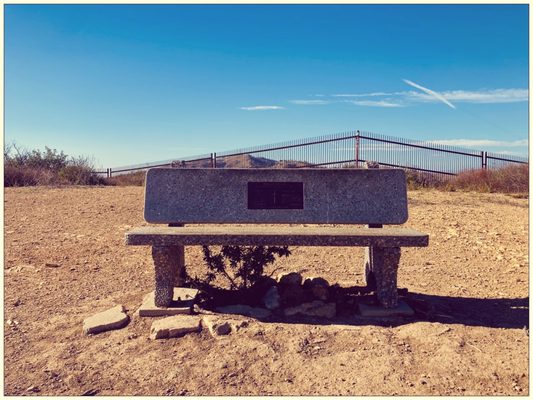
column 214, row 160
column 110, row 173
column 483, row 160
column 357, row 140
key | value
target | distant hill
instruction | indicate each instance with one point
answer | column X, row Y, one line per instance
column 247, row 161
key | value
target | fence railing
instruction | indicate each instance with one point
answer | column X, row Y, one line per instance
column 343, row 150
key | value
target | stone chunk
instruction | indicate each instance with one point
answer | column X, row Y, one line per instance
column 271, row 298
column 241, row 309
column 291, row 294
column 216, row 326
column 114, row 318
column 220, row 326
column 317, row 287
column 291, row 278
column 182, row 303
column 315, row 308
column 175, row 326
column 403, row 309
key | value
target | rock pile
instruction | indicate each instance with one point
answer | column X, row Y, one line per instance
column 292, row 295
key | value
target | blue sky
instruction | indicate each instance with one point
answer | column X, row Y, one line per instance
column 129, row 84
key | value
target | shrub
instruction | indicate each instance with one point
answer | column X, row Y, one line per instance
column 240, row 266
column 131, row 179
column 419, row 179
column 23, row 167
column 508, row 179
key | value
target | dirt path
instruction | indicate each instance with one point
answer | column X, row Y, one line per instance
column 65, row 260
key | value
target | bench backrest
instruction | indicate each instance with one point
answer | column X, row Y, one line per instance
column 253, row 195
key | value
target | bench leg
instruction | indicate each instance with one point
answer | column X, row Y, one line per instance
column 384, row 264
column 168, row 261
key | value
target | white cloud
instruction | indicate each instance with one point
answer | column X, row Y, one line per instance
column 481, row 143
column 409, row 97
column 366, row 94
column 262, row 108
column 480, row 96
column 429, row 92
column 373, row 103
column 310, row 102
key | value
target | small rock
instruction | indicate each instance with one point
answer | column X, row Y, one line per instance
column 241, row 309
column 90, row 392
column 9, row 322
column 52, row 265
column 291, row 279
column 33, row 389
column 17, row 302
column 175, row 326
column 271, row 299
column 316, row 308
column 216, row 326
column 114, row 318
column 291, row 295
column 318, row 287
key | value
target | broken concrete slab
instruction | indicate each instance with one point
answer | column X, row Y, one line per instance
column 182, row 303
column 175, row 326
column 242, row 309
column 315, row 308
column 114, row 318
column 403, row 310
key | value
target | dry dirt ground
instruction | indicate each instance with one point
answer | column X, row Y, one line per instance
column 65, row 259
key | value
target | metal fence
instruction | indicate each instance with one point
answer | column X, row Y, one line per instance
column 344, row 150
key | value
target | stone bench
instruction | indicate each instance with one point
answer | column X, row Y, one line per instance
column 371, row 197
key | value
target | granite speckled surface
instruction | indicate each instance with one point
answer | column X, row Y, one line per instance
column 330, row 196
column 277, row 235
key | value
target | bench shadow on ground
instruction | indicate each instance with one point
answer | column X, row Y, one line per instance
column 489, row 313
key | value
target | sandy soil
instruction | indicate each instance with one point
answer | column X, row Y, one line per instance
column 65, row 259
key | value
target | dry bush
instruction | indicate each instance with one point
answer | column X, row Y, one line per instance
column 509, row 179
column 23, row 167
column 418, row 180
column 131, row 179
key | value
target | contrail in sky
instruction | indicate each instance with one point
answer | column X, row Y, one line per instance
column 430, row 92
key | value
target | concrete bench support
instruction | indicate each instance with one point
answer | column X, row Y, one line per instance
column 169, row 269
column 385, row 263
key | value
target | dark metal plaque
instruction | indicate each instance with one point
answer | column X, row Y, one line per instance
column 275, row 195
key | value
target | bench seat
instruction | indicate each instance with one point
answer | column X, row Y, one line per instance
column 276, row 235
